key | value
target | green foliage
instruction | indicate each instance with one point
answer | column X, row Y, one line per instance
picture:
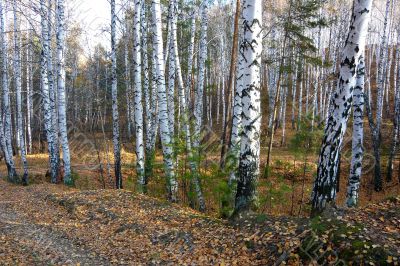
column 332, row 234
column 307, row 140
column 277, row 188
column 130, row 183
column 75, row 177
column 261, row 218
column 299, row 18
column 225, row 200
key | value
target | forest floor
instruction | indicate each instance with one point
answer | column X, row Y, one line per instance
column 45, row 224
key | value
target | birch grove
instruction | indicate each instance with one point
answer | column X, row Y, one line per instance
column 225, row 107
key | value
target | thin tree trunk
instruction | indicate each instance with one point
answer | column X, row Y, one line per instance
column 195, row 178
column 396, row 119
column 379, row 105
column 46, row 93
column 137, row 64
column 18, row 85
column 62, row 114
column 198, row 105
column 114, row 95
column 29, row 93
column 7, row 145
column 231, row 126
column 172, row 184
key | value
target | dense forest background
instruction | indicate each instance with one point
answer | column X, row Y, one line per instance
column 302, row 43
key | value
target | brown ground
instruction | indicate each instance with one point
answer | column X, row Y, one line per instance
column 45, row 224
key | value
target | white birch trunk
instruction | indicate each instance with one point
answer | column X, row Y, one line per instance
column 171, row 74
column 172, row 184
column 18, row 84
column 150, row 107
column 250, row 55
column 52, row 88
column 29, row 93
column 62, row 113
column 137, row 78
column 353, row 184
column 114, row 95
column 45, row 91
column 8, row 150
column 324, row 190
column 198, row 104
column 189, row 78
column 236, row 127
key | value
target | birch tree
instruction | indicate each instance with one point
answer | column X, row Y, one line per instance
column 48, row 125
column 324, row 190
column 198, row 104
column 353, row 185
column 52, row 87
column 114, row 95
column 7, row 142
column 150, row 100
column 18, row 84
column 172, row 184
column 137, row 71
column 62, row 113
column 396, row 119
column 376, row 125
column 234, row 148
column 250, row 57
column 189, row 79
column 29, row 92
column 185, row 118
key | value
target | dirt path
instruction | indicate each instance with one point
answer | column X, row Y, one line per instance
column 23, row 241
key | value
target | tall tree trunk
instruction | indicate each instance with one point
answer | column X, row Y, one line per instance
column 396, row 119
column 171, row 75
column 18, row 85
column 376, row 138
column 195, row 178
column 198, row 104
column 189, row 78
column 46, row 92
column 229, row 128
column 149, row 96
column 137, row 77
column 6, row 115
column 114, row 95
column 172, row 184
column 250, row 55
column 62, row 114
column 52, row 88
column 29, row 93
column 128, row 86
column 324, row 190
